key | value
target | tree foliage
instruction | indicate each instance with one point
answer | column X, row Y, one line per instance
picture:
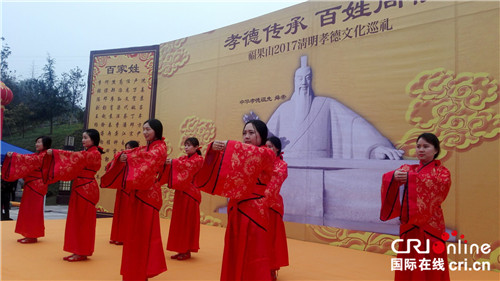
column 42, row 101
column 5, row 73
column 51, row 100
column 72, row 86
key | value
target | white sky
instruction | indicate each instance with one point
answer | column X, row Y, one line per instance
column 69, row 30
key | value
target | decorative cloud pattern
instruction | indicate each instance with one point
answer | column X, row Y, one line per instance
column 202, row 129
column 173, row 56
column 458, row 108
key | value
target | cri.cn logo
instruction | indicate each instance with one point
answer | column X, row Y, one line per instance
column 439, row 247
column 410, row 263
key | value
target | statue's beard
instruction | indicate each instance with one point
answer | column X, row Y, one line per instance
column 303, row 100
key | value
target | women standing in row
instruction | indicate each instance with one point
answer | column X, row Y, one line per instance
column 426, row 186
column 240, row 172
column 121, row 210
column 137, row 171
column 30, row 220
column 81, row 167
column 276, row 231
column 184, row 233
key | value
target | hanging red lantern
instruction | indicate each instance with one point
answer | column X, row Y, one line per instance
column 7, row 97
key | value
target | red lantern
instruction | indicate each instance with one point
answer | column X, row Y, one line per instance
column 7, row 97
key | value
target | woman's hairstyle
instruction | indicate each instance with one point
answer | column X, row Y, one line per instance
column 156, row 125
column 46, row 141
column 432, row 139
column 95, row 137
column 276, row 142
column 194, row 142
column 132, row 144
column 261, row 128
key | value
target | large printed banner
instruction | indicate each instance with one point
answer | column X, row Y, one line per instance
column 121, row 96
column 348, row 86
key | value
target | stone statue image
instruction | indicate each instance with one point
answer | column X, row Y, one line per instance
column 335, row 159
column 321, row 127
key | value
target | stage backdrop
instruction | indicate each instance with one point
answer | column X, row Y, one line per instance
column 347, row 86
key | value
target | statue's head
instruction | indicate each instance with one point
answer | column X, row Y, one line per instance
column 303, row 78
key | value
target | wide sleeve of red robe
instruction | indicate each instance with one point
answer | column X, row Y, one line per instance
column 419, row 211
column 232, row 173
column 30, row 219
column 121, row 210
column 180, row 174
column 78, row 166
column 113, row 176
column 425, row 190
column 141, row 171
column 25, row 166
column 141, row 163
column 280, row 173
column 276, row 231
column 184, row 232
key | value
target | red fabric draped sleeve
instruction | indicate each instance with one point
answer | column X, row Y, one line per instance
column 140, row 172
column 28, row 167
column 425, row 190
column 233, row 172
column 62, row 165
column 19, row 166
column 80, row 167
column 280, row 173
column 179, row 175
column 144, row 165
column 113, row 177
column 391, row 205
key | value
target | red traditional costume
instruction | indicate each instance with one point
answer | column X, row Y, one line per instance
column 29, row 167
column 184, row 233
column 421, row 217
column 81, row 167
column 241, row 172
column 276, row 231
column 143, row 255
column 122, row 208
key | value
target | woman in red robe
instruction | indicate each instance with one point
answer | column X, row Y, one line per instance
column 426, row 186
column 276, row 232
column 81, row 167
column 30, row 221
column 137, row 171
column 240, row 172
column 184, row 233
column 121, row 210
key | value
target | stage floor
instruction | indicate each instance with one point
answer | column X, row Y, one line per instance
column 308, row 261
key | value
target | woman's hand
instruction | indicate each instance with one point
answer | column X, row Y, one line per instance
column 50, row 152
column 123, row 157
column 219, row 145
column 169, row 161
column 400, row 175
column 9, row 154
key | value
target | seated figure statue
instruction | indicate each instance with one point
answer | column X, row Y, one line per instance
column 334, row 156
